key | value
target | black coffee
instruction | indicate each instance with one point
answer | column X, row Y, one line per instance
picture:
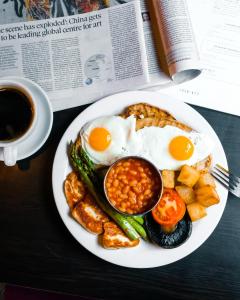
column 16, row 113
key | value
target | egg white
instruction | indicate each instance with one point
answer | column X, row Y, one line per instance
column 151, row 143
column 155, row 144
column 123, row 137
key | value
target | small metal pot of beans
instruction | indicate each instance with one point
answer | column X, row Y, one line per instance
column 133, row 185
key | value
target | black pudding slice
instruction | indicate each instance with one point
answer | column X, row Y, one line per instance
column 168, row 240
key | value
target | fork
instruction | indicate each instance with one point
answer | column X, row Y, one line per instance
column 227, row 179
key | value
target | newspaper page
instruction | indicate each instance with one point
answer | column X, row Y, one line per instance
column 177, row 35
column 218, row 87
column 179, row 49
column 176, row 30
column 28, row 10
column 81, row 58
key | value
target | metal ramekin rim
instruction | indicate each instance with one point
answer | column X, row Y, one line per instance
column 139, row 158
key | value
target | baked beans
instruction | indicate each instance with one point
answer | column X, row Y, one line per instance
column 133, row 186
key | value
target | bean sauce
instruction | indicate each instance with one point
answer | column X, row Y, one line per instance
column 133, row 186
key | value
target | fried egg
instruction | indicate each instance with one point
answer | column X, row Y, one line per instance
column 106, row 139
column 170, row 147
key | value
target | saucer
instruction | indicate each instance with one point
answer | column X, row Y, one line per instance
column 44, row 120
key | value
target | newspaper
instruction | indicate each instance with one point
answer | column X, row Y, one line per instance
column 80, row 51
column 218, row 36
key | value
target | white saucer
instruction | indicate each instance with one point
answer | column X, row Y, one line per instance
column 44, row 121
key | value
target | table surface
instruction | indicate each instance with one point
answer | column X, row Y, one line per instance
column 37, row 250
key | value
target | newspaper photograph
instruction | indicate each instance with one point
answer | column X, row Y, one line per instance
column 14, row 11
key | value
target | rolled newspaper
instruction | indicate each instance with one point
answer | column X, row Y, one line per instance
column 177, row 50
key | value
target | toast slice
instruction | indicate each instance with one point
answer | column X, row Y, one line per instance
column 144, row 110
column 160, row 122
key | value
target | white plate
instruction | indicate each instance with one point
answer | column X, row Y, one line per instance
column 146, row 255
column 44, row 120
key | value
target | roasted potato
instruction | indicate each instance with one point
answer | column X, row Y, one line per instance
column 168, row 177
column 205, row 179
column 188, row 176
column 186, row 193
column 207, row 195
column 196, row 211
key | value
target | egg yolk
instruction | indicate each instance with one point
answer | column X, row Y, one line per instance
column 181, row 148
column 99, row 139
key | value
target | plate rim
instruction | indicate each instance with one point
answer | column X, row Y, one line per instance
column 138, row 94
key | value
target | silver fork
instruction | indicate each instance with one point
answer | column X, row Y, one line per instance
column 227, row 179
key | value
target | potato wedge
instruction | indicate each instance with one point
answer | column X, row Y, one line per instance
column 168, row 177
column 188, row 176
column 207, row 195
column 196, row 211
column 205, row 179
column 186, row 193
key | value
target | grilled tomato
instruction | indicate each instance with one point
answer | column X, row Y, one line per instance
column 169, row 210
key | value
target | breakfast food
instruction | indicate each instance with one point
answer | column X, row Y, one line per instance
column 188, row 176
column 205, row 178
column 87, row 213
column 168, row 177
column 132, row 186
column 106, row 139
column 74, row 189
column 186, row 193
column 196, row 211
column 207, row 195
column 170, row 147
column 159, row 122
column 144, row 110
column 169, row 210
column 114, row 238
column 198, row 190
column 109, row 138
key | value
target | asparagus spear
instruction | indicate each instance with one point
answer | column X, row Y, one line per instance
column 90, row 169
column 84, row 172
column 138, row 227
column 139, row 219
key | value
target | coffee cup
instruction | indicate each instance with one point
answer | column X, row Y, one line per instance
column 18, row 116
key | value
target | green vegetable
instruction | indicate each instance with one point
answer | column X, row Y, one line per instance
column 86, row 172
column 138, row 227
column 139, row 219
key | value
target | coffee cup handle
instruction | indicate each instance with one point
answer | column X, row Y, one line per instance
column 10, row 156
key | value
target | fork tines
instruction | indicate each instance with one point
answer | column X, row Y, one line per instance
column 227, row 179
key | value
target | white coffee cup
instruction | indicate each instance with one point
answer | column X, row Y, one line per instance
column 10, row 147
